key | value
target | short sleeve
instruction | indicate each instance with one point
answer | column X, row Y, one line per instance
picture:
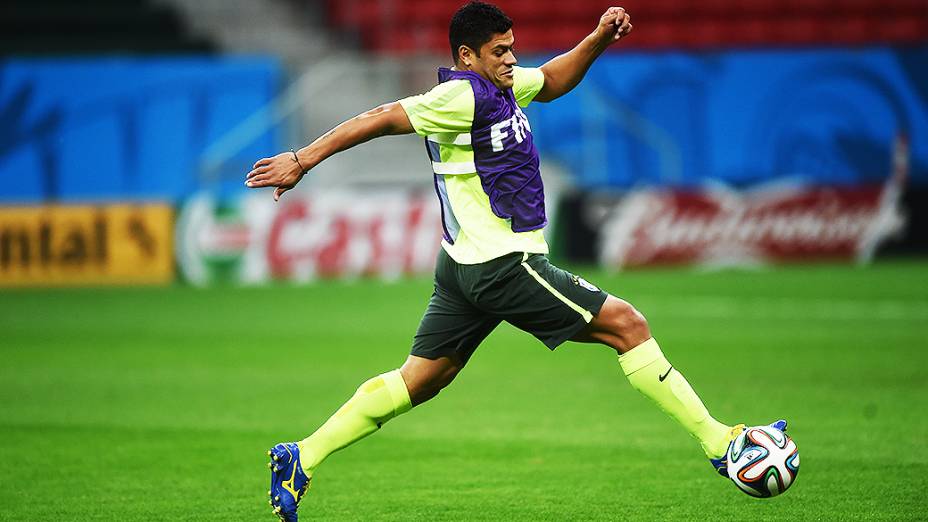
column 526, row 83
column 448, row 107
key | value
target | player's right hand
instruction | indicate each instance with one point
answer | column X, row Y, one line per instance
column 614, row 24
column 281, row 171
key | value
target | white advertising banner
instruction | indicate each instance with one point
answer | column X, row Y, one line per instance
column 304, row 236
column 653, row 228
column 788, row 222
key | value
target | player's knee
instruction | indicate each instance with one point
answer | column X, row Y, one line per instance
column 628, row 323
column 636, row 324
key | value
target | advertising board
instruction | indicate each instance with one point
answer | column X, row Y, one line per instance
column 86, row 244
column 308, row 235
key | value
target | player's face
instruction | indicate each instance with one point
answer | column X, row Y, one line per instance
column 496, row 60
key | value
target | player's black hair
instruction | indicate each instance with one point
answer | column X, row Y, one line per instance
column 474, row 24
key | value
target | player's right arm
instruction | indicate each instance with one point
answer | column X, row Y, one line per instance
column 563, row 73
column 285, row 170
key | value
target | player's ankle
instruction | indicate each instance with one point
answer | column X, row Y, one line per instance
column 716, row 438
column 306, row 458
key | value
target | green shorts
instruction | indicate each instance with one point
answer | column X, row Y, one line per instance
column 524, row 290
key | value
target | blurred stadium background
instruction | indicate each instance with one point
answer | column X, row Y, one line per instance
column 753, row 174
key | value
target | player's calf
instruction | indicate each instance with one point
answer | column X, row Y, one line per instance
column 425, row 378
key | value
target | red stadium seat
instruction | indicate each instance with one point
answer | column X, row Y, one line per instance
column 903, row 30
column 409, row 26
column 849, row 30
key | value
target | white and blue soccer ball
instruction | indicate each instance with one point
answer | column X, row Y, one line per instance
column 763, row 461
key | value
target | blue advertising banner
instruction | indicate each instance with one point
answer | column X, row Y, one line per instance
column 117, row 128
column 741, row 117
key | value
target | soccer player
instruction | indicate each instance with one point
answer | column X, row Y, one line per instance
column 493, row 265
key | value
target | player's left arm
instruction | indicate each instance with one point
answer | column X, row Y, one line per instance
column 564, row 72
column 286, row 169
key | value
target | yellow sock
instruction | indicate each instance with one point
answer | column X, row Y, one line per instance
column 376, row 401
column 649, row 372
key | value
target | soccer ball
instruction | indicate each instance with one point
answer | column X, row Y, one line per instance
column 763, row 461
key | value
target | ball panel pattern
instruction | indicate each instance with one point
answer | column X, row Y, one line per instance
column 763, row 461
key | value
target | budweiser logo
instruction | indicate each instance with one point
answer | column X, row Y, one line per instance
column 724, row 227
column 678, row 227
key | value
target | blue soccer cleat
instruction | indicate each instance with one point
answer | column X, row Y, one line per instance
column 721, row 464
column 288, row 482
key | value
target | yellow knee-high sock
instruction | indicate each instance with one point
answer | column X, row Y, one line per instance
column 649, row 372
column 376, row 401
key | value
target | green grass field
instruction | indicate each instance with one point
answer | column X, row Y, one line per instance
column 159, row 404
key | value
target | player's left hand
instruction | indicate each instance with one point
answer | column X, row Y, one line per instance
column 614, row 24
column 281, row 171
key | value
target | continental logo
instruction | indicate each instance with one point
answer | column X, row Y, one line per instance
column 86, row 244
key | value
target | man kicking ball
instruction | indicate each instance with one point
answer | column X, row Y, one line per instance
column 493, row 265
